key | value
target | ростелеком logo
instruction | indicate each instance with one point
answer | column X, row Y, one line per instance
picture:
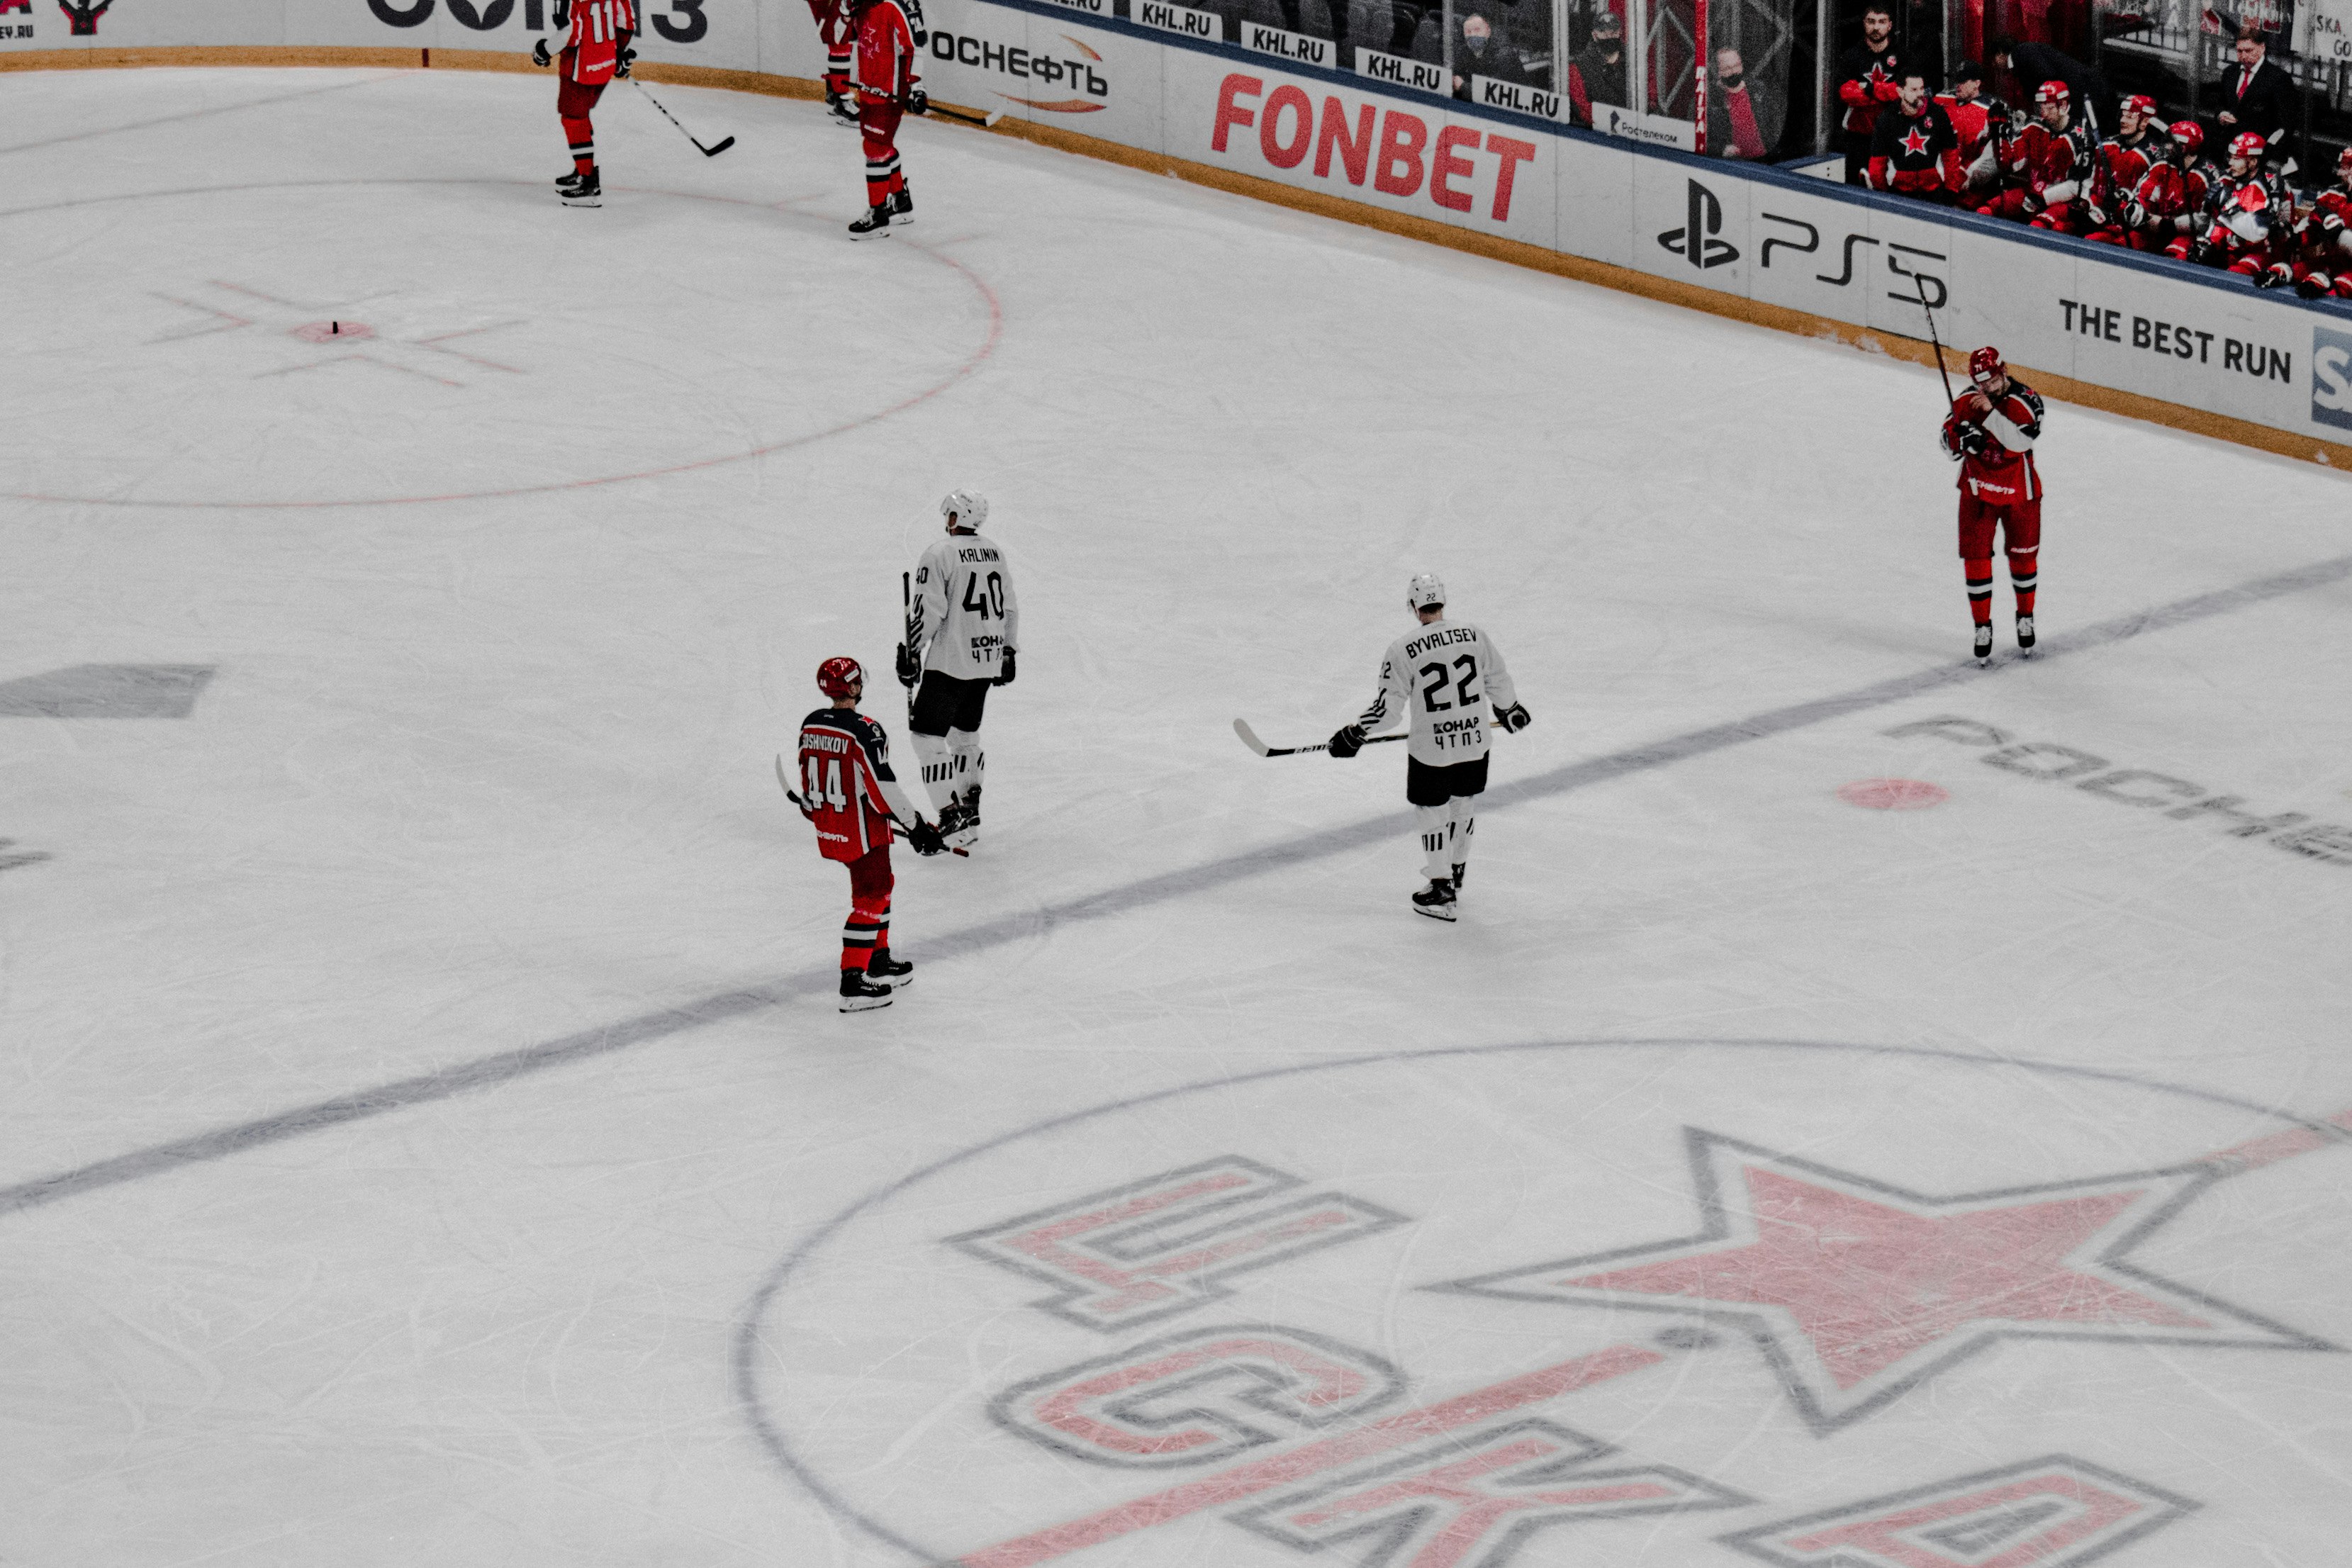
column 2331, row 377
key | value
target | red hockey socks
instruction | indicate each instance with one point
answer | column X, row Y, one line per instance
column 868, row 926
column 1980, row 589
column 2022, row 576
column 583, row 137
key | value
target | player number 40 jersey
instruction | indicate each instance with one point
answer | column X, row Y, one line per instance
column 1441, row 679
column 965, row 614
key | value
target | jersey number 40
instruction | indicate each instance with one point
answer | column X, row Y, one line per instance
column 984, row 604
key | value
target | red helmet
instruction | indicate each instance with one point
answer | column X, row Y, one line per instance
column 2249, row 145
column 2053, row 92
column 1985, row 363
column 2344, row 162
column 835, row 676
column 2139, row 103
column 2188, row 133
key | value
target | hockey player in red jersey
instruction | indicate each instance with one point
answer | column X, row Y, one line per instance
column 836, row 32
column 2045, row 164
column 848, row 792
column 1991, row 432
column 596, row 51
column 2118, row 167
column 1915, row 150
column 889, row 34
column 2241, row 210
column 2166, row 203
column 2319, row 262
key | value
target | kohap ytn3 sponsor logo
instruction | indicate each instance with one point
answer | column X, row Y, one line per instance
column 1400, row 152
column 2331, row 377
column 1696, row 239
column 1074, row 72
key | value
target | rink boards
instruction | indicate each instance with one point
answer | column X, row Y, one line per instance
column 1795, row 251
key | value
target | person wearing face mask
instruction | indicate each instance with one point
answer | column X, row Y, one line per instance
column 1598, row 74
column 1743, row 120
column 1483, row 47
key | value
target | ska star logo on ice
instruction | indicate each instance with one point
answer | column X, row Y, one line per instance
column 1924, row 1343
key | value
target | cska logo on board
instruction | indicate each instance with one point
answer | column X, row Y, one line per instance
column 1687, row 1302
column 1696, row 239
column 82, row 16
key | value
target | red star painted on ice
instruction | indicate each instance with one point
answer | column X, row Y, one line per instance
column 1856, row 1290
column 1915, row 141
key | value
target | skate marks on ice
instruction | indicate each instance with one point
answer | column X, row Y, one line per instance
column 1884, row 1303
column 106, row 692
column 474, row 457
column 204, row 113
column 505, row 1066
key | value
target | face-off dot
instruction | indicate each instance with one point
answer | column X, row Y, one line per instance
column 1893, row 794
column 333, row 331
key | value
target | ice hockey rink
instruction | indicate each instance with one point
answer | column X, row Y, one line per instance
column 426, row 1133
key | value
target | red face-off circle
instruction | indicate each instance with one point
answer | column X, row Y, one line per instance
column 1893, row 794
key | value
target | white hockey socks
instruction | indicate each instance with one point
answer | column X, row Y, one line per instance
column 1463, row 808
column 1435, row 823
column 939, row 769
column 970, row 762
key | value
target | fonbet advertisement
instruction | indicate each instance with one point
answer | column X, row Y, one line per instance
column 1161, row 84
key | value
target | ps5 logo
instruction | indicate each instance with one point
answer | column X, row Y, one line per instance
column 1696, row 239
column 2331, row 378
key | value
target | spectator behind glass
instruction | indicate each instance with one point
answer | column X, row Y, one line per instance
column 2256, row 96
column 1598, row 75
column 1484, row 47
column 1743, row 118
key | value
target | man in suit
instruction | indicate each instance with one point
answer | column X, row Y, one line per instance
column 2257, row 96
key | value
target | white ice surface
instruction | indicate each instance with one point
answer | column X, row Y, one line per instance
column 482, row 772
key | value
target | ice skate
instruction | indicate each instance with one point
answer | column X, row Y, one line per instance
column 1984, row 642
column 884, row 969
column 1436, row 900
column 1458, row 870
column 565, row 182
column 876, row 221
column 584, row 191
column 859, row 995
column 2025, row 634
column 902, row 207
column 843, row 106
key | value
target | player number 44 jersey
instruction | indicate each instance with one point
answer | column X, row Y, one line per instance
column 965, row 614
column 846, row 779
column 1440, row 679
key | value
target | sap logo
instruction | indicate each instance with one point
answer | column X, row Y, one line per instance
column 2331, row 377
column 1696, row 239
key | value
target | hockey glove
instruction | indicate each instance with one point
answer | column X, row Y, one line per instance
column 2277, row 275
column 1974, row 440
column 919, row 102
column 539, row 55
column 910, row 668
column 924, row 839
column 1514, row 719
column 621, row 64
column 2135, row 215
column 2313, row 285
column 1346, row 740
column 1004, row 676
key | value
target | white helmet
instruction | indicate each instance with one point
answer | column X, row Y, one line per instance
column 969, row 510
column 1425, row 591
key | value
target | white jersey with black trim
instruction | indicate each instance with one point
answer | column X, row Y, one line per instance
column 1440, row 678
column 964, row 615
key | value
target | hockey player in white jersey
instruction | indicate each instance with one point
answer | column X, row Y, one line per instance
column 964, row 623
column 1440, row 678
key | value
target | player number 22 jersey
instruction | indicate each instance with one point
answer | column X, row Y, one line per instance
column 1440, row 678
column 964, row 613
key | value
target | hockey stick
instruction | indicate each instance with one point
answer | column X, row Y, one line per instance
column 907, row 629
column 1919, row 286
column 794, row 796
column 1249, row 739
column 706, row 151
column 987, row 119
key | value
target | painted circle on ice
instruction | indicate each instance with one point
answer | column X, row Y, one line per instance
column 1435, row 1220
column 508, row 358
column 1893, row 794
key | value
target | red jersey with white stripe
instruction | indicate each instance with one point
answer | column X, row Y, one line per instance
column 845, row 778
column 2003, row 473
column 888, row 31
column 593, row 48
